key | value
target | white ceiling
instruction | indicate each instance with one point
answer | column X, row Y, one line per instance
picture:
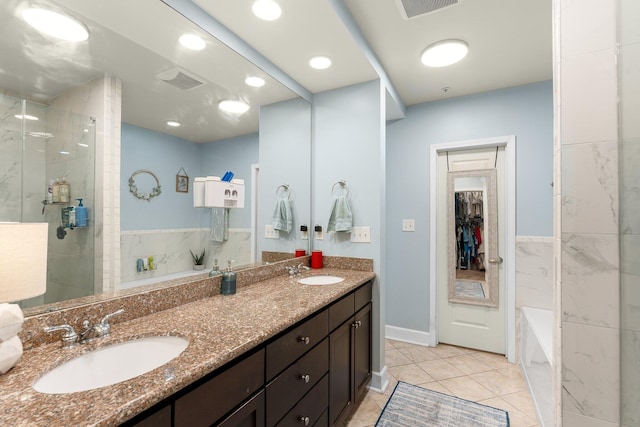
column 509, row 41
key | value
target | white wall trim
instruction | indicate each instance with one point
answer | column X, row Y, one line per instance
column 411, row 336
column 379, row 380
column 509, row 142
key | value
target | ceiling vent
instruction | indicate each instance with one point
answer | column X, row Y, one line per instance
column 413, row 8
column 180, row 78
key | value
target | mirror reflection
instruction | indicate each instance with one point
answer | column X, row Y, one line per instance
column 132, row 98
column 472, row 237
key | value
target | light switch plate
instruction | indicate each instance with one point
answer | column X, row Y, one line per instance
column 361, row 234
column 270, row 233
column 408, row 225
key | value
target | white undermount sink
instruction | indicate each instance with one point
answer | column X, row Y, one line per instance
column 320, row 280
column 111, row 364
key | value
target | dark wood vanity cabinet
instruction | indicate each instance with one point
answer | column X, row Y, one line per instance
column 350, row 353
column 312, row 374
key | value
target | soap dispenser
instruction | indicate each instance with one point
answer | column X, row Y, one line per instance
column 215, row 271
column 228, row 286
column 81, row 214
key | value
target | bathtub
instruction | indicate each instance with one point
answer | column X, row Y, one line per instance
column 536, row 359
column 160, row 278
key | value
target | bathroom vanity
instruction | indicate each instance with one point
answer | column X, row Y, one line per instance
column 277, row 353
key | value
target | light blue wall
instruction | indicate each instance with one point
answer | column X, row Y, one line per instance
column 164, row 154
column 237, row 155
column 285, row 158
column 524, row 111
column 349, row 141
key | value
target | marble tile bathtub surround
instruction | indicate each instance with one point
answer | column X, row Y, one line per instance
column 219, row 328
column 534, row 272
column 170, row 250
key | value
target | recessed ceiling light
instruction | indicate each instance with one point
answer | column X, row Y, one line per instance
column 443, row 53
column 267, row 10
column 320, row 62
column 235, row 107
column 83, row 145
column 193, row 42
column 173, row 123
column 254, row 81
column 66, row 153
column 55, row 24
column 25, row 117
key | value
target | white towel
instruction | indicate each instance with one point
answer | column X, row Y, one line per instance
column 341, row 217
column 282, row 216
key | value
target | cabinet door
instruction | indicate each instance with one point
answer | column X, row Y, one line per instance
column 157, row 418
column 251, row 414
column 341, row 371
column 362, row 351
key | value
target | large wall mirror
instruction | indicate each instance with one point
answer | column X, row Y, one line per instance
column 136, row 44
column 473, row 238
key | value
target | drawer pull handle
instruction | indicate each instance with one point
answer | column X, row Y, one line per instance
column 305, row 420
column 305, row 378
column 356, row 324
column 304, row 340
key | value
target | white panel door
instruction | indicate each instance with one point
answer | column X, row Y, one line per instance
column 465, row 325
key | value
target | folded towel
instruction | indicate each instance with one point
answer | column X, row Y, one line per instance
column 341, row 218
column 219, row 224
column 282, row 216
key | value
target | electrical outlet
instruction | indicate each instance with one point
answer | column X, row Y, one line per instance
column 361, row 234
column 270, row 233
column 408, row 225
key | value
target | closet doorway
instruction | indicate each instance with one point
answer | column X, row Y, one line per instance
column 472, row 305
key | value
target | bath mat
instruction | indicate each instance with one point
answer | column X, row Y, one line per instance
column 413, row 406
column 469, row 289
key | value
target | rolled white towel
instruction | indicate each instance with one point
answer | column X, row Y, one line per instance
column 10, row 353
column 11, row 320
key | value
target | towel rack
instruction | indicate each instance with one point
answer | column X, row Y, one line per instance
column 342, row 186
column 284, row 191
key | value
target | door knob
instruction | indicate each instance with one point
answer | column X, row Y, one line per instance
column 498, row 260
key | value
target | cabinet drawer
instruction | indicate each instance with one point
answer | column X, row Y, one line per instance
column 363, row 295
column 310, row 408
column 323, row 421
column 341, row 311
column 291, row 385
column 213, row 399
column 282, row 352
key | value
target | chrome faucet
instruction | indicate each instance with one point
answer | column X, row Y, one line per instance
column 69, row 338
column 103, row 329
column 294, row 270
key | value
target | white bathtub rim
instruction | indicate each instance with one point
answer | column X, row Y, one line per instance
column 541, row 323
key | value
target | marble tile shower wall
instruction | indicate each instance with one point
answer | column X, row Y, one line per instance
column 629, row 94
column 587, row 215
column 170, row 250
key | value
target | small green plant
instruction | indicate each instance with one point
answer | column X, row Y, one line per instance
column 197, row 260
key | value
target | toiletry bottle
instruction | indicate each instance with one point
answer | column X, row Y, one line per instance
column 152, row 266
column 228, row 286
column 64, row 192
column 81, row 215
column 215, row 271
column 55, row 196
column 50, row 191
column 72, row 217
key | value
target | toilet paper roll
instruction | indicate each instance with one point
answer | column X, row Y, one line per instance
column 11, row 320
column 10, row 354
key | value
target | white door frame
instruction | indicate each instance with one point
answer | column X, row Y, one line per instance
column 255, row 170
column 509, row 144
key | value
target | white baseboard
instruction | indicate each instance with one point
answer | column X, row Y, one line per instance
column 408, row 335
column 379, row 380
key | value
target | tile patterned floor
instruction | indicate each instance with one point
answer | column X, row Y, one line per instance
column 470, row 374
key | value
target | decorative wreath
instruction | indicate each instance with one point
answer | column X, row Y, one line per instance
column 133, row 188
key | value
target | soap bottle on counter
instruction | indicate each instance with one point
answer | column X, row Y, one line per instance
column 81, row 215
column 215, row 271
column 228, row 286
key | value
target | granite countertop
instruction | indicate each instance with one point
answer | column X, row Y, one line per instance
column 218, row 328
